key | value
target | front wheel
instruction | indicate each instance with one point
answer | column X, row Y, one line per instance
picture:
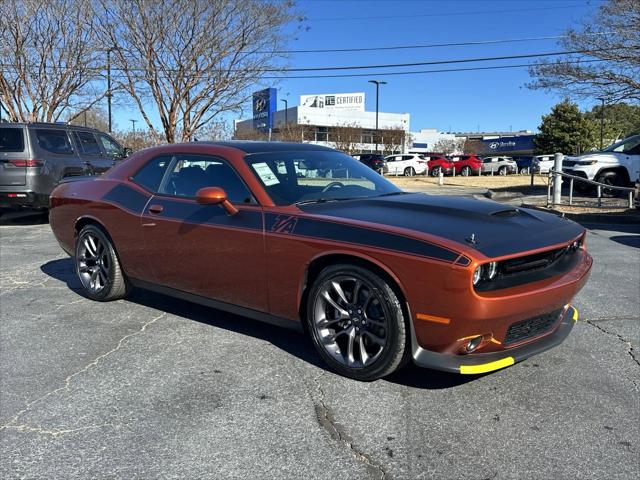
column 502, row 171
column 97, row 266
column 524, row 170
column 356, row 322
column 436, row 171
column 615, row 179
column 466, row 171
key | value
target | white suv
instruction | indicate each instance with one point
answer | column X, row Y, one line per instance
column 618, row 164
column 545, row 162
column 407, row 164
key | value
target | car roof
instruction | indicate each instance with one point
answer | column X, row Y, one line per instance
column 48, row 125
column 251, row 146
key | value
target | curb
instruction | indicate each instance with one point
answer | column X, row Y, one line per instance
column 619, row 218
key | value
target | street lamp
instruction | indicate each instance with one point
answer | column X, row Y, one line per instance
column 377, row 83
column 133, row 123
column 109, row 86
column 286, row 107
column 601, row 124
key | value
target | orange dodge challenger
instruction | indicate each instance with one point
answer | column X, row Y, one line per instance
column 304, row 236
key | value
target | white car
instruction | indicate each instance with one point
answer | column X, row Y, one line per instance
column 545, row 162
column 499, row 165
column 406, row 164
column 618, row 164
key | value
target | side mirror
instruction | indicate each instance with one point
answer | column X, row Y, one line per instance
column 126, row 151
column 215, row 196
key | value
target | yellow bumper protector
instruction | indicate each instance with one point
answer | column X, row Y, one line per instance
column 575, row 314
column 486, row 367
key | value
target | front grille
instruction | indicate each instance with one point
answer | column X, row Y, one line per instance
column 569, row 163
column 530, row 328
column 533, row 262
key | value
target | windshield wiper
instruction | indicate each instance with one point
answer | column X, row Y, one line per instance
column 390, row 193
column 325, row 200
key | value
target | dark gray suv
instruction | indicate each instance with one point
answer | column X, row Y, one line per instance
column 34, row 157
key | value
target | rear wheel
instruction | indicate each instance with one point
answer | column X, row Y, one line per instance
column 356, row 322
column 465, row 172
column 97, row 266
column 409, row 172
column 524, row 170
column 435, row 171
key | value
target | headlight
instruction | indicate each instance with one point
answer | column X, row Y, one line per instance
column 491, row 270
column 587, row 162
column 477, row 274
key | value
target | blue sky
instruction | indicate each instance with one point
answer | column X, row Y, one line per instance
column 460, row 101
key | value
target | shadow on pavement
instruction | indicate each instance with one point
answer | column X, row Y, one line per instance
column 287, row 340
column 628, row 240
column 23, row 217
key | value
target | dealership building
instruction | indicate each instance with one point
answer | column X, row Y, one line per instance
column 323, row 117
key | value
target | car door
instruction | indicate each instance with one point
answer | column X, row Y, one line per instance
column 201, row 249
column 90, row 152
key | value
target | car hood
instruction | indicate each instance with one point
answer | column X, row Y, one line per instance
column 497, row 229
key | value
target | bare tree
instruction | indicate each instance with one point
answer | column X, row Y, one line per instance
column 347, row 138
column 448, row 146
column 191, row 61
column 292, row 132
column 392, row 140
column 138, row 140
column 94, row 117
column 49, row 59
column 611, row 69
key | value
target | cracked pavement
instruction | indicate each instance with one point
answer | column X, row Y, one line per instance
column 152, row 387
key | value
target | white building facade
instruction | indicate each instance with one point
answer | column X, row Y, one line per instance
column 323, row 114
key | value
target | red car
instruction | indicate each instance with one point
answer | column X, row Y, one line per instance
column 438, row 163
column 466, row 165
column 304, row 236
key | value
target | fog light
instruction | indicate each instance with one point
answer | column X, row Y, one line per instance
column 473, row 344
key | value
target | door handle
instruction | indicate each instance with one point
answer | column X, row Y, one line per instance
column 156, row 209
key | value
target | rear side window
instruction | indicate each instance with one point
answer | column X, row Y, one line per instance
column 11, row 140
column 151, row 174
column 54, row 141
column 88, row 143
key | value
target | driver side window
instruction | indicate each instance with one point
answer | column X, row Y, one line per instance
column 190, row 173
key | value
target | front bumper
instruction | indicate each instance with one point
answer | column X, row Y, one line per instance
column 488, row 362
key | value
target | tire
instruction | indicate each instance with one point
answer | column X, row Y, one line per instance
column 612, row 178
column 409, row 172
column 436, row 171
column 465, row 172
column 524, row 170
column 502, row 171
column 341, row 328
column 98, row 267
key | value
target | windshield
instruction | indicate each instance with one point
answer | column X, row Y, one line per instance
column 296, row 177
column 625, row 145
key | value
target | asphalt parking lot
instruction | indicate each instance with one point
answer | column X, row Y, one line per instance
column 152, row 387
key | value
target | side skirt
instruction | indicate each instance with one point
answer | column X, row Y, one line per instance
column 226, row 307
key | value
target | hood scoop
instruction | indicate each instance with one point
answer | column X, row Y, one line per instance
column 506, row 213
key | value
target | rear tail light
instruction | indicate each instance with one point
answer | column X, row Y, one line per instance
column 26, row 163
column 421, row 161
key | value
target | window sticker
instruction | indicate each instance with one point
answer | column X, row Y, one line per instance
column 266, row 174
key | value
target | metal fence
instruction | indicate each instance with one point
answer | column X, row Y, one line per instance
column 554, row 190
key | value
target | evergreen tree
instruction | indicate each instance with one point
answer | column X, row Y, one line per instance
column 566, row 130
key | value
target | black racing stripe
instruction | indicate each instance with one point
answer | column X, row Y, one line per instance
column 127, row 197
column 362, row 236
column 207, row 214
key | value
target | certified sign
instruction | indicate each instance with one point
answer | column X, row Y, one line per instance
column 334, row 101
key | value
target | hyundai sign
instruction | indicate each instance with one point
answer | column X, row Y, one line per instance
column 508, row 144
column 334, row 101
column 265, row 103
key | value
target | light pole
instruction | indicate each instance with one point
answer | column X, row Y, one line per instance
column 133, row 123
column 286, row 113
column 377, row 83
column 601, row 123
column 109, row 87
